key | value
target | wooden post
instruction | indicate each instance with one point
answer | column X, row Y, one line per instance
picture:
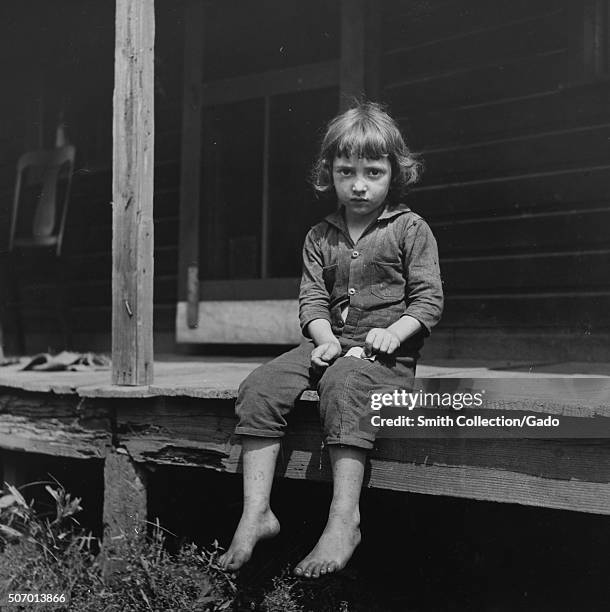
column 190, row 165
column 351, row 69
column 132, row 192
column 125, row 506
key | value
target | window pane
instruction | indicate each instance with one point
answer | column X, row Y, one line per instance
column 298, row 121
column 232, row 190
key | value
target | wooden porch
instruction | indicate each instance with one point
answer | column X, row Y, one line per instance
column 186, row 418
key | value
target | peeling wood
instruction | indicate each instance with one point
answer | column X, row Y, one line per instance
column 474, row 471
column 71, row 447
column 198, row 432
column 172, row 452
column 570, row 474
column 54, row 425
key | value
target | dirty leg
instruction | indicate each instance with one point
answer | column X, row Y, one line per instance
column 342, row 532
column 257, row 521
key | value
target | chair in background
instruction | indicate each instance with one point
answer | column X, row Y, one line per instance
column 38, row 220
column 39, row 172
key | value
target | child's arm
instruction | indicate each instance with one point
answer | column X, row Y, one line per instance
column 327, row 346
column 314, row 305
column 380, row 340
column 314, row 300
column 424, row 293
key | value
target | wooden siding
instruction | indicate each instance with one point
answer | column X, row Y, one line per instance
column 517, row 159
column 516, row 187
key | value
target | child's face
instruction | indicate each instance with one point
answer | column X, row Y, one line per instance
column 361, row 184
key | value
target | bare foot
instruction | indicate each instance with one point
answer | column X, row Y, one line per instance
column 334, row 548
column 253, row 526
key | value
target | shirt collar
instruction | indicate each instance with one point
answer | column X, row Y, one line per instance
column 337, row 218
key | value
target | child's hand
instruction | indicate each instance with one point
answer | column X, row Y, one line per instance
column 380, row 340
column 325, row 353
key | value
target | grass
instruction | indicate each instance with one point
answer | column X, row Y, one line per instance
column 47, row 551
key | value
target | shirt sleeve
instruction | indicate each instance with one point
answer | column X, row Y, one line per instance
column 314, row 300
column 424, row 293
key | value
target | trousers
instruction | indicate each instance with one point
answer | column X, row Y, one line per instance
column 269, row 393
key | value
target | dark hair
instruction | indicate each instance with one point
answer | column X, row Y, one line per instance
column 367, row 131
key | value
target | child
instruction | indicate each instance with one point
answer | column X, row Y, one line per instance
column 371, row 286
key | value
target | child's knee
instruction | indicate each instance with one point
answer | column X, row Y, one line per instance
column 258, row 413
column 264, row 399
column 253, row 382
column 266, row 380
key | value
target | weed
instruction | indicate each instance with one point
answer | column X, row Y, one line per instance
column 48, row 552
column 51, row 554
column 283, row 596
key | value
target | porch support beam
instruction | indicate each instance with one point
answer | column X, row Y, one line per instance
column 125, row 508
column 190, row 161
column 132, row 192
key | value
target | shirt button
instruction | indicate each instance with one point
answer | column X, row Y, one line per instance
column 355, row 254
column 352, row 291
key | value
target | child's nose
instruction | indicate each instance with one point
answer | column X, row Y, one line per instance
column 359, row 185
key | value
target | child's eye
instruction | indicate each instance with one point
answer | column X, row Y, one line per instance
column 375, row 172
column 344, row 171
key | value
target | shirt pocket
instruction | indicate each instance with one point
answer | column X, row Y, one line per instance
column 329, row 276
column 386, row 280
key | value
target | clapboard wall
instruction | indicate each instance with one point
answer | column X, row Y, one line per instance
column 516, row 146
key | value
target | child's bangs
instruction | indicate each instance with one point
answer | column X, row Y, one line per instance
column 362, row 141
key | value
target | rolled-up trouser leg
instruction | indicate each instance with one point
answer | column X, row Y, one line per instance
column 269, row 393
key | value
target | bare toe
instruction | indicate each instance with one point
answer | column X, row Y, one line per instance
column 222, row 561
column 251, row 529
column 334, row 548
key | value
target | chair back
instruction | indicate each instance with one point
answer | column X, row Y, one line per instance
column 39, row 173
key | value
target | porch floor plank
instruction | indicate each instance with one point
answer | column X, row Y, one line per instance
column 217, row 378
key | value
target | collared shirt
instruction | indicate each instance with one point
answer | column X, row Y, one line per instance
column 391, row 271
